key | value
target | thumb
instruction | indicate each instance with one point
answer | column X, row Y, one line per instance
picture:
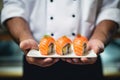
column 28, row 44
column 96, row 45
column 98, row 49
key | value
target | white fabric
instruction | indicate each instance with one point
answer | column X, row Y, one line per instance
column 69, row 16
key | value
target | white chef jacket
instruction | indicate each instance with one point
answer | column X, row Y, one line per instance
column 62, row 17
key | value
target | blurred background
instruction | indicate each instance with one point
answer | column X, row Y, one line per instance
column 11, row 58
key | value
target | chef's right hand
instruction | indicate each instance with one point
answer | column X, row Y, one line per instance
column 29, row 44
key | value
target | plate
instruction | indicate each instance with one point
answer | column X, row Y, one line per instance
column 37, row 54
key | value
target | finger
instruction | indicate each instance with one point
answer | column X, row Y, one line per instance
column 98, row 50
column 56, row 60
column 95, row 45
column 75, row 60
column 88, row 60
column 63, row 59
column 35, row 61
column 49, row 63
column 43, row 62
column 101, row 49
column 84, row 60
column 30, row 60
column 47, row 60
column 69, row 60
column 72, row 60
column 26, row 44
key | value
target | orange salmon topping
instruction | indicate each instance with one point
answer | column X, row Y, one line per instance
column 79, row 45
column 44, row 44
column 60, row 43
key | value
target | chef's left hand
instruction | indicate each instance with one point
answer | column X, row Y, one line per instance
column 94, row 44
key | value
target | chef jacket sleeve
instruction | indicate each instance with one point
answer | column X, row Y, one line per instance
column 110, row 10
column 13, row 8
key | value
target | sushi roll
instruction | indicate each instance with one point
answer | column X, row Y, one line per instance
column 79, row 45
column 63, row 45
column 46, row 45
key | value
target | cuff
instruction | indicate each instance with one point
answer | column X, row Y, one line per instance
column 109, row 14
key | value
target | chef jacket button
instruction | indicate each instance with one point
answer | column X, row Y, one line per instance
column 52, row 34
column 51, row 18
column 73, row 15
column 73, row 34
column 51, row 0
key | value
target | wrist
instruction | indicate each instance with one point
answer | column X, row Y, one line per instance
column 104, row 31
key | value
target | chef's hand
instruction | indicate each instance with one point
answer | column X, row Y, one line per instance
column 29, row 44
column 96, row 45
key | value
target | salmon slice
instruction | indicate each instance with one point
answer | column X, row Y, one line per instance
column 63, row 45
column 46, row 45
column 79, row 45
